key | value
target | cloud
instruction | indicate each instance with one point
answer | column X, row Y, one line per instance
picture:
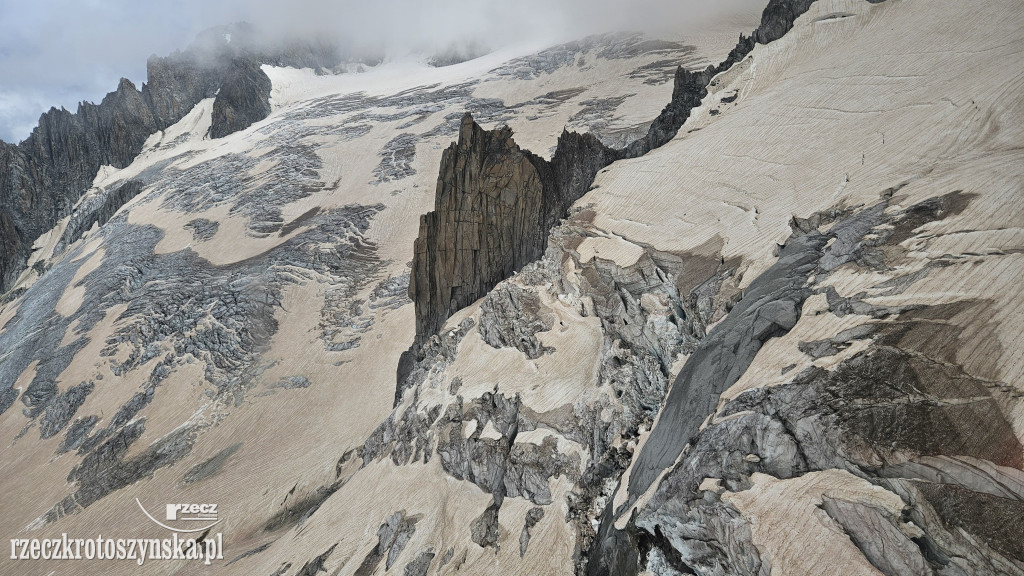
column 59, row 52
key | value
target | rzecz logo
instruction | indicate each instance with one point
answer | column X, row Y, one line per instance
column 186, row 517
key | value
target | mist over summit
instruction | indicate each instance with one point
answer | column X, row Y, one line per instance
column 58, row 53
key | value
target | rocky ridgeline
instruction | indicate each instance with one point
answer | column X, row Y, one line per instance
column 44, row 176
column 496, row 203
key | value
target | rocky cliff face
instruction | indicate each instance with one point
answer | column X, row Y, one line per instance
column 243, row 98
column 494, row 207
column 176, row 83
column 484, row 226
column 43, row 177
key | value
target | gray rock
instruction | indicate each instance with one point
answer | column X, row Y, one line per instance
column 392, row 536
column 243, row 98
column 879, row 537
column 316, row 565
column 511, row 317
column 484, row 530
column 494, row 207
column 202, row 228
column 532, row 517
column 420, row 564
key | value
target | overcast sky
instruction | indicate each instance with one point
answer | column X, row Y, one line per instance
column 60, row 52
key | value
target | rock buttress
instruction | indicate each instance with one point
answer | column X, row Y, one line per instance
column 484, row 226
column 243, row 99
column 494, row 206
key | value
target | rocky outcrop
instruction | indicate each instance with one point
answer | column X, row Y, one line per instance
column 494, row 207
column 243, row 98
column 176, row 83
column 778, row 18
column 690, row 88
column 392, row 536
column 42, row 178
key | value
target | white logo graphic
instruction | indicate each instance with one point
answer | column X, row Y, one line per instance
column 204, row 514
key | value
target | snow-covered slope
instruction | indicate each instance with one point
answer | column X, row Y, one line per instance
column 785, row 342
column 231, row 335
